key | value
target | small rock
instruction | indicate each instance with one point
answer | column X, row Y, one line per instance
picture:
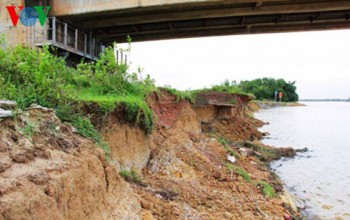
column 5, row 164
column 212, row 140
column 39, row 178
column 38, row 107
column 286, row 217
column 8, row 105
column 289, row 202
column 303, row 150
column 217, row 174
column 257, row 153
column 3, row 147
column 224, row 122
column 147, row 215
column 264, row 134
column 5, row 113
column 228, row 215
column 145, row 204
column 22, row 157
column 230, row 158
column 246, row 151
column 42, row 154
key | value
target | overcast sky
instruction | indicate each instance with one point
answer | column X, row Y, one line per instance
column 318, row 61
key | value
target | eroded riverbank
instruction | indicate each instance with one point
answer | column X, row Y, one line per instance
column 200, row 162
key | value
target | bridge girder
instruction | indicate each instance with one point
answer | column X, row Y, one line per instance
column 212, row 18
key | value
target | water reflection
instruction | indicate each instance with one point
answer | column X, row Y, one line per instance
column 321, row 176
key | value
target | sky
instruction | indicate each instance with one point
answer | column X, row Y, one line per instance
column 319, row 62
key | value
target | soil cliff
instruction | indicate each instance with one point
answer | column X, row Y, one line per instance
column 200, row 162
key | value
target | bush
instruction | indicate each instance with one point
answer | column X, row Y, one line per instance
column 264, row 89
column 31, row 76
column 225, row 87
column 28, row 76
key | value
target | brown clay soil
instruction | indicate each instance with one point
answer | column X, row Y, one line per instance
column 50, row 172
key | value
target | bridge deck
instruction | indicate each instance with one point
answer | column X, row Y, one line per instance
column 143, row 20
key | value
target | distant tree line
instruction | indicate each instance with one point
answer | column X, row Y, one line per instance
column 264, row 89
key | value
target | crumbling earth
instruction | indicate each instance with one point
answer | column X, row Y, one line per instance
column 47, row 171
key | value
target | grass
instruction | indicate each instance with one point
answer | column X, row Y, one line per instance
column 30, row 76
column 85, row 128
column 136, row 106
column 130, row 176
column 267, row 190
column 266, row 153
column 28, row 129
column 229, row 150
column 239, row 171
column 181, row 95
column 191, row 95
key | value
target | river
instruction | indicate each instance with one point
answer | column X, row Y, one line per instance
column 320, row 177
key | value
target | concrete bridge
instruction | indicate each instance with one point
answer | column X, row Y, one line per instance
column 81, row 28
column 111, row 20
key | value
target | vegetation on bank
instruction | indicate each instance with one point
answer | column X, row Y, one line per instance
column 190, row 95
column 260, row 89
column 30, row 76
column 130, row 176
column 267, row 190
column 265, row 88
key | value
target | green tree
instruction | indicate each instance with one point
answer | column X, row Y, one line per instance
column 264, row 89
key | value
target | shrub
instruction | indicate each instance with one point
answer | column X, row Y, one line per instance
column 31, row 76
column 264, row 89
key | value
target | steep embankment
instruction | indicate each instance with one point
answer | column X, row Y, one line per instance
column 47, row 171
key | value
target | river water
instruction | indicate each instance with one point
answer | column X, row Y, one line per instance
column 321, row 177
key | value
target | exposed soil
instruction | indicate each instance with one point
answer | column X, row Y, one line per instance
column 50, row 172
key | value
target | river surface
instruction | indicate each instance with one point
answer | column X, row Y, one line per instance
column 321, row 177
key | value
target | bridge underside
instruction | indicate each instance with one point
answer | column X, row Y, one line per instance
column 213, row 18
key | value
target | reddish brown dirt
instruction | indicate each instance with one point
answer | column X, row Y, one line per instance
column 187, row 177
column 56, row 174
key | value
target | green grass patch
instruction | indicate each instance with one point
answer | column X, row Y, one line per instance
column 266, row 189
column 29, row 129
column 30, row 76
column 229, row 167
column 136, row 107
column 86, row 129
column 130, row 176
column 181, row 95
column 228, row 149
column 225, row 87
column 239, row 171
